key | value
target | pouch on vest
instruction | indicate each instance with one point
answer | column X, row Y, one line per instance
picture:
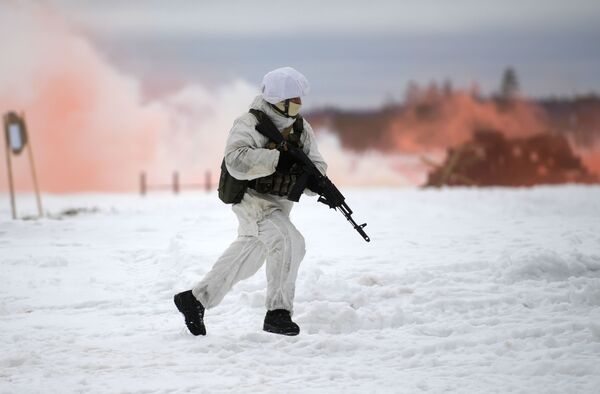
column 279, row 183
column 231, row 190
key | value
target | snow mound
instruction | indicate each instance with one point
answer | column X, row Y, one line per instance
column 551, row 266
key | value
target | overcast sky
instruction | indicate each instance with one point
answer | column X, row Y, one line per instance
column 355, row 53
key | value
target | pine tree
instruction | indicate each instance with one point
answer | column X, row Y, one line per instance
column 509, row 87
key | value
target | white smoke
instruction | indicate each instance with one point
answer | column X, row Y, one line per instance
column 368, row 168
column 197, row 125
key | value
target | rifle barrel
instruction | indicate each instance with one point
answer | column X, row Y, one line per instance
column 347, row 212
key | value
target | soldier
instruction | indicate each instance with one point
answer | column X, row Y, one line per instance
column 265, row 173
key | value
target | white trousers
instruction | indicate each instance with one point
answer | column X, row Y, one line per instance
column 279, row 242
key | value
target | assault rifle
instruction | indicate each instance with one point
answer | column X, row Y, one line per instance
column 311, row 176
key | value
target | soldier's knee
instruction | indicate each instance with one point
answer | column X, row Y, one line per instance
column 288, row 238
column 298, row 244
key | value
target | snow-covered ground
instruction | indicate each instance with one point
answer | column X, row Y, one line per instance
column 463, row 290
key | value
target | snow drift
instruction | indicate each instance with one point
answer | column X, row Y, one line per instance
column 480, row 290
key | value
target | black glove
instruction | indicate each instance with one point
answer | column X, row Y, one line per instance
column 286, row 161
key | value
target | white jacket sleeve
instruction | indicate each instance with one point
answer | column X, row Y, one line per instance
column 245, row 155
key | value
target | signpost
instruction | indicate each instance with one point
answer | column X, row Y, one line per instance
column 17, row 139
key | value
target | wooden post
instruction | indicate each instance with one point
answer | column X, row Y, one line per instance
column 9, row 169
column 143, row 186
column 207, row 180
column 175, row 182
column 33, row 173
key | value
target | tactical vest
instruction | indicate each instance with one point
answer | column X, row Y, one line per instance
column 232, row 190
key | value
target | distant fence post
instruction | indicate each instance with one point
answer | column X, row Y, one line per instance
column 207, row 181
column 143, row 184
column 176, row 186
column 175, row 182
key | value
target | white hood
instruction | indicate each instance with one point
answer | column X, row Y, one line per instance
column 283, row 83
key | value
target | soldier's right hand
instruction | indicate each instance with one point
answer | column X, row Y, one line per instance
column 286, row 160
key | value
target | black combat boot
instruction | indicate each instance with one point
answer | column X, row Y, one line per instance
column 193, row 310
column 280, row 322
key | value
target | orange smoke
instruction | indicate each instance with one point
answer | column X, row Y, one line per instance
column 438, row 121
column 89, row 126
column 432, row 120
column 448, row 120
column 91, row 130
column 591, row 158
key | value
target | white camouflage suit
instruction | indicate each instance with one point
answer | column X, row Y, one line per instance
column 265, row 230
